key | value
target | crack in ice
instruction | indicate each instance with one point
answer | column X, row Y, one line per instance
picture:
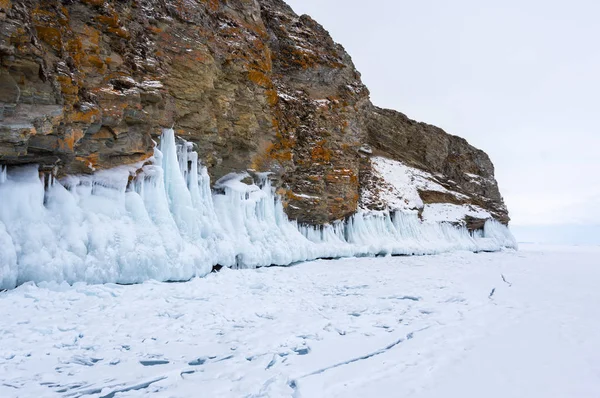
column 383, row 350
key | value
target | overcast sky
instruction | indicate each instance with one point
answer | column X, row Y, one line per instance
column 518, row 79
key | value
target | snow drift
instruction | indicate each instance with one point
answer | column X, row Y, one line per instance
column 162, row 221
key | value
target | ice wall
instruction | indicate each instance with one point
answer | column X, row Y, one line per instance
column 161, row 221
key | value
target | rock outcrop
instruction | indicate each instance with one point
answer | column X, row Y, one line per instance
column 454, row 164
column 88, row 85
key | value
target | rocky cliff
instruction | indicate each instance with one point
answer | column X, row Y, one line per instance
column 88, row 85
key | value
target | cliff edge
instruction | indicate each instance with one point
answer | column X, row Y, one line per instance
column 89, row 85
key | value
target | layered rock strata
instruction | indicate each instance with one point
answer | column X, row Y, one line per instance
column 89, row 85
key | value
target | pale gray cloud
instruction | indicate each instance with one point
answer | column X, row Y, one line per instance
column 519, row 79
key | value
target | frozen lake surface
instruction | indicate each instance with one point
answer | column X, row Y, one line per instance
column 509, row 324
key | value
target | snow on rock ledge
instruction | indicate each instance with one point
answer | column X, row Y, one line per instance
column 161, row 221
column 399, row 189
column 449, row 212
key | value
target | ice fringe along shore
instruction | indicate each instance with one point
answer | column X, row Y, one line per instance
column 162, row 221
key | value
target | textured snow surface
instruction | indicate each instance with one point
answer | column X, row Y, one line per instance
column 400, row 191
column 161, row 221
column 455, row 325
column 449, row 212
column 404, row 183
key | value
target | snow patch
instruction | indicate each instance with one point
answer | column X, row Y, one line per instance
column 448, row 212
column 402, row 183
column 401, row 187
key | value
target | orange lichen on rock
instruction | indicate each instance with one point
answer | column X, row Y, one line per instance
column 113, row 24
column 213, row 5
column 95, row 61
column 92, row 37
column 111, row 20
column 259, row 78
column 273, row 153
column 67, row 85
column 75, row 49
column 90, row 161
column 20, row 38
column 280, row 151
column 67, row 143
column 306, row 59
column 154, row 29
column 103, row 134
column 272, row 100
column 91, row 115
column 320, row 153
column 121, row 32
column 96, row 3
column 50, row 35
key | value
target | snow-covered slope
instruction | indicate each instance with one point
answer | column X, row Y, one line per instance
column 161, row 221
column 399, row 185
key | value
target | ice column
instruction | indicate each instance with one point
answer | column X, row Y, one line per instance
column 160, row 220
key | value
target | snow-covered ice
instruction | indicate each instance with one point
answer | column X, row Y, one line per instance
column 460, row 324
column 162, row 221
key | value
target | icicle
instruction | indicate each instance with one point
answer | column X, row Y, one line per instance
column 8, row 254
column 167, row 224
column 178, row 194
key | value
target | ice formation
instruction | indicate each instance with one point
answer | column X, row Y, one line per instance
column 162, row 221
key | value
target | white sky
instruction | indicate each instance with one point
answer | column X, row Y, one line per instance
column 518, row 79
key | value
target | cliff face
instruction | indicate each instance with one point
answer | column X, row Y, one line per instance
column 465, row 172
column 88, row 85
